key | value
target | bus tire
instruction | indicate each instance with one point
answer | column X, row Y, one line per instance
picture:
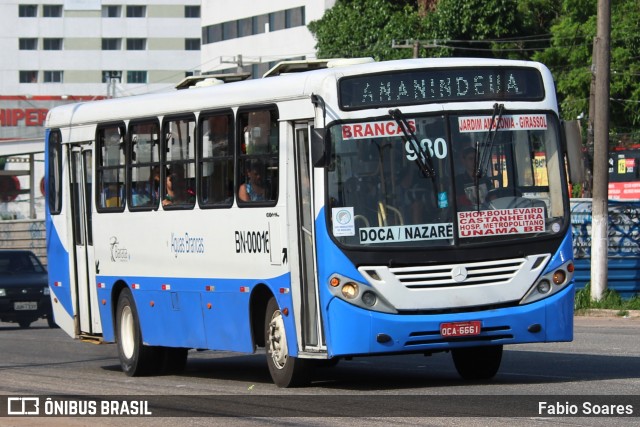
column 135, row 358
column 477, row 363
column 286, row 371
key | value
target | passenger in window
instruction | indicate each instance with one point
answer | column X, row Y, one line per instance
column 155, row 185
column 253, row 189
column 176, row 187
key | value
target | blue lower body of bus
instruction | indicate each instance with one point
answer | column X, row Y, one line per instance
column 355, row 331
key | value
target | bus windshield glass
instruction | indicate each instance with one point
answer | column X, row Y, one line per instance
column 494, row 178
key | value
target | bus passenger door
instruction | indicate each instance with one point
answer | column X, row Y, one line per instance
column 86, row 302
column 311, row 327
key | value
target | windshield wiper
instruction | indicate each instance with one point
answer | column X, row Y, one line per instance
column 483, row 155
column 423, row 158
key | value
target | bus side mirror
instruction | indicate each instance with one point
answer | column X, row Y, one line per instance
column 573, row 140
column 318, row 147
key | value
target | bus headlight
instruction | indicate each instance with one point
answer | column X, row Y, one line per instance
column 550, row 283
column 3, row 293
column 369, row 298
column 358, row 293
column 544, row 286
column 559, row 276
column 350, row 290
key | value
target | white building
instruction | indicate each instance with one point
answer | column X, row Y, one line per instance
column 54, row 52
column 257, row 34
column 73, row 47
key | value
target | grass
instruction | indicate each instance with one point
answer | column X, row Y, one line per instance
column 610, row 300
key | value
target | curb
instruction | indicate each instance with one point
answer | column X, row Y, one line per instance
column 600, row 312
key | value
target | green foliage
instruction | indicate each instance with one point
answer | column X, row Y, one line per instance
column 365, row 28
column 611, row 300
column 488, row 28
column 570, row 59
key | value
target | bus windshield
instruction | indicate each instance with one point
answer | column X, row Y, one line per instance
column 494, row 177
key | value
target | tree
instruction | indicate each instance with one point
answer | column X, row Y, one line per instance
column 360, row 28
column 570, row 59
column 490, row 28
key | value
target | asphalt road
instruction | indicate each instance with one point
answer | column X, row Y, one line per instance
column 602, row 364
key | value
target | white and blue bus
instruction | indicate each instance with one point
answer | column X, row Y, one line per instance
column 349, row 209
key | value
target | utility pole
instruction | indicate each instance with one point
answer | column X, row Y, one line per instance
column 600, row 208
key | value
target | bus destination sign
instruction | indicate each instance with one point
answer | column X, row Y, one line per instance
column 440, row 85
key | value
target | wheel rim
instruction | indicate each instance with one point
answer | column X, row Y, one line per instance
column 278, row 341
column 127, row 334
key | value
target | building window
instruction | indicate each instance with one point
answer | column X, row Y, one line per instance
column 111, row 44
column 136, row 11
column 111, row 74
column 192, row 11
column 53, row 76
column 294, row 17
column 245, row 27
column 253, row 25
column 191, row 44
column 136, row 76
column 229, row 30
column 276, row 21
column 52, row 10
column 136, row 44
column 111, row 11
column 28, row 77
column 28, row 44
column 28, row 10
column 52, row 44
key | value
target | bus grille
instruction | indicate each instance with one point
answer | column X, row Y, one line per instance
column 477, row 273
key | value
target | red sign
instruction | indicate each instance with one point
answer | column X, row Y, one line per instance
column 624, row 190
column 460, row 329
column 23, row 116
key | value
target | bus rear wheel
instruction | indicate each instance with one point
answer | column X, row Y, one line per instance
column 477, row 363
column 135, row 357
column 286, row 371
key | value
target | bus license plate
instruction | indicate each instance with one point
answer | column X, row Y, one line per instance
column 18, row 306
column 460, row 329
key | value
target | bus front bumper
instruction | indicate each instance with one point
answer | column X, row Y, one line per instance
column 355, row 331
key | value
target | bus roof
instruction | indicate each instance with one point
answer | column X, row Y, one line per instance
column 250, row 92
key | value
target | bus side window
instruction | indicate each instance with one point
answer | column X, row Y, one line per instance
column 144, row 165
column 215, row 160
column 111, row 167
column 258, row 156
column 179, row 158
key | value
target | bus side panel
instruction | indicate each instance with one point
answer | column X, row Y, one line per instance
column 227, row 323
column 171, row 318
column 218, row 320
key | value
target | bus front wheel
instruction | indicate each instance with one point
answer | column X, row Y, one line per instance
column 286, row 371
column 135, row 357
column 477, row 363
